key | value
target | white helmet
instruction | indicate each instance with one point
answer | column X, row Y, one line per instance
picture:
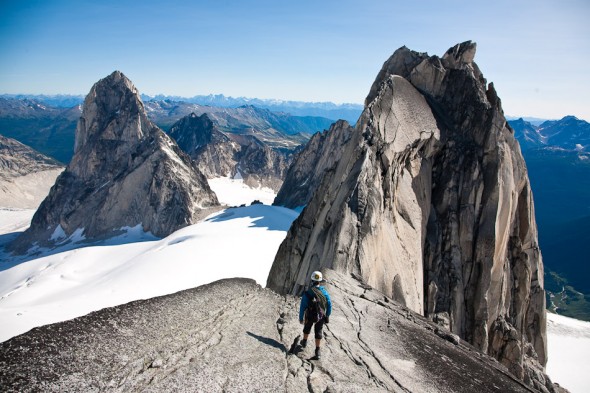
column 317, row 276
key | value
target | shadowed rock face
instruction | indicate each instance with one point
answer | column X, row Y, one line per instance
column 430, row 203
column 125, row 172
column 234, row 336
column 221, row 154
column 212, row 150
column 321, row 154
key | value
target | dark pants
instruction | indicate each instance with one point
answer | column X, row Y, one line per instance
column 317, row 329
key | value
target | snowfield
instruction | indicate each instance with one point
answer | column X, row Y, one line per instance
column 234, row 192
column 14, row 220
column 236, row 242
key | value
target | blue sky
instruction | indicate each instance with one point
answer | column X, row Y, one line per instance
column 537, row 53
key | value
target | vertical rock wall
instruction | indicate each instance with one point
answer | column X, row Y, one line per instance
column 369, row 214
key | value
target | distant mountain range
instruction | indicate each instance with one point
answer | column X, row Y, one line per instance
column 237, row 120
column 56, row 100
column 349, row 112
column 50, row 129
column 569, row 133
column 557, row 154
column 47, row 129
column 533, row 120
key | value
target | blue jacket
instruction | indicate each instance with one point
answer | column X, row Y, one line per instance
column 305, row 299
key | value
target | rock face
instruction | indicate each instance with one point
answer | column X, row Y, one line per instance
column 125, row 172
column 17, row 159
column 25, row 175
column 212, row 150
column 222, row 154
column 431, row 204
column 319, row 155
column 233, row 336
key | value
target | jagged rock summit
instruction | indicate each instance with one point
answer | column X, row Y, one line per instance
column 428, row 200
column 125, row 172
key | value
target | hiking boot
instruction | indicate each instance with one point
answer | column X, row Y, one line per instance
column 303, row 343
column 317, row 354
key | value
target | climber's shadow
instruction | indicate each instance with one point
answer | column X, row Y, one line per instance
column 268, row 341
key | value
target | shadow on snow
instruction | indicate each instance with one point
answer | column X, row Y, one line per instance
column 263, row 216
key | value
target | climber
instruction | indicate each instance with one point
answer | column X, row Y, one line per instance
column 315, row 309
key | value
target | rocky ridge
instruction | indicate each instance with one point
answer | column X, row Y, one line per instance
column 125, row 172
column 234, row 336
column 25, row 174
column 17, row 159
column 430, row 203
column 224, row 154
column 319, row 155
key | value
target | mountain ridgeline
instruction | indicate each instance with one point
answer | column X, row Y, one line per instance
column 51, row 130
column 220, row 154
column 25, row 175
column 428, row 200
column 349, row 112
column 568, row 133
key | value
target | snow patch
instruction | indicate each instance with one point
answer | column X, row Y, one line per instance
column 238, row 175
column 234, row 192
column 15, row 220
column 77, row 236
column 568, row 346
column 58, row 234
column 60, row 237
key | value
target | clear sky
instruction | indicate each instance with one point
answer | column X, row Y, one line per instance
column 537, row 53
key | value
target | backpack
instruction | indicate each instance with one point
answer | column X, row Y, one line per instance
column 316, row 310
